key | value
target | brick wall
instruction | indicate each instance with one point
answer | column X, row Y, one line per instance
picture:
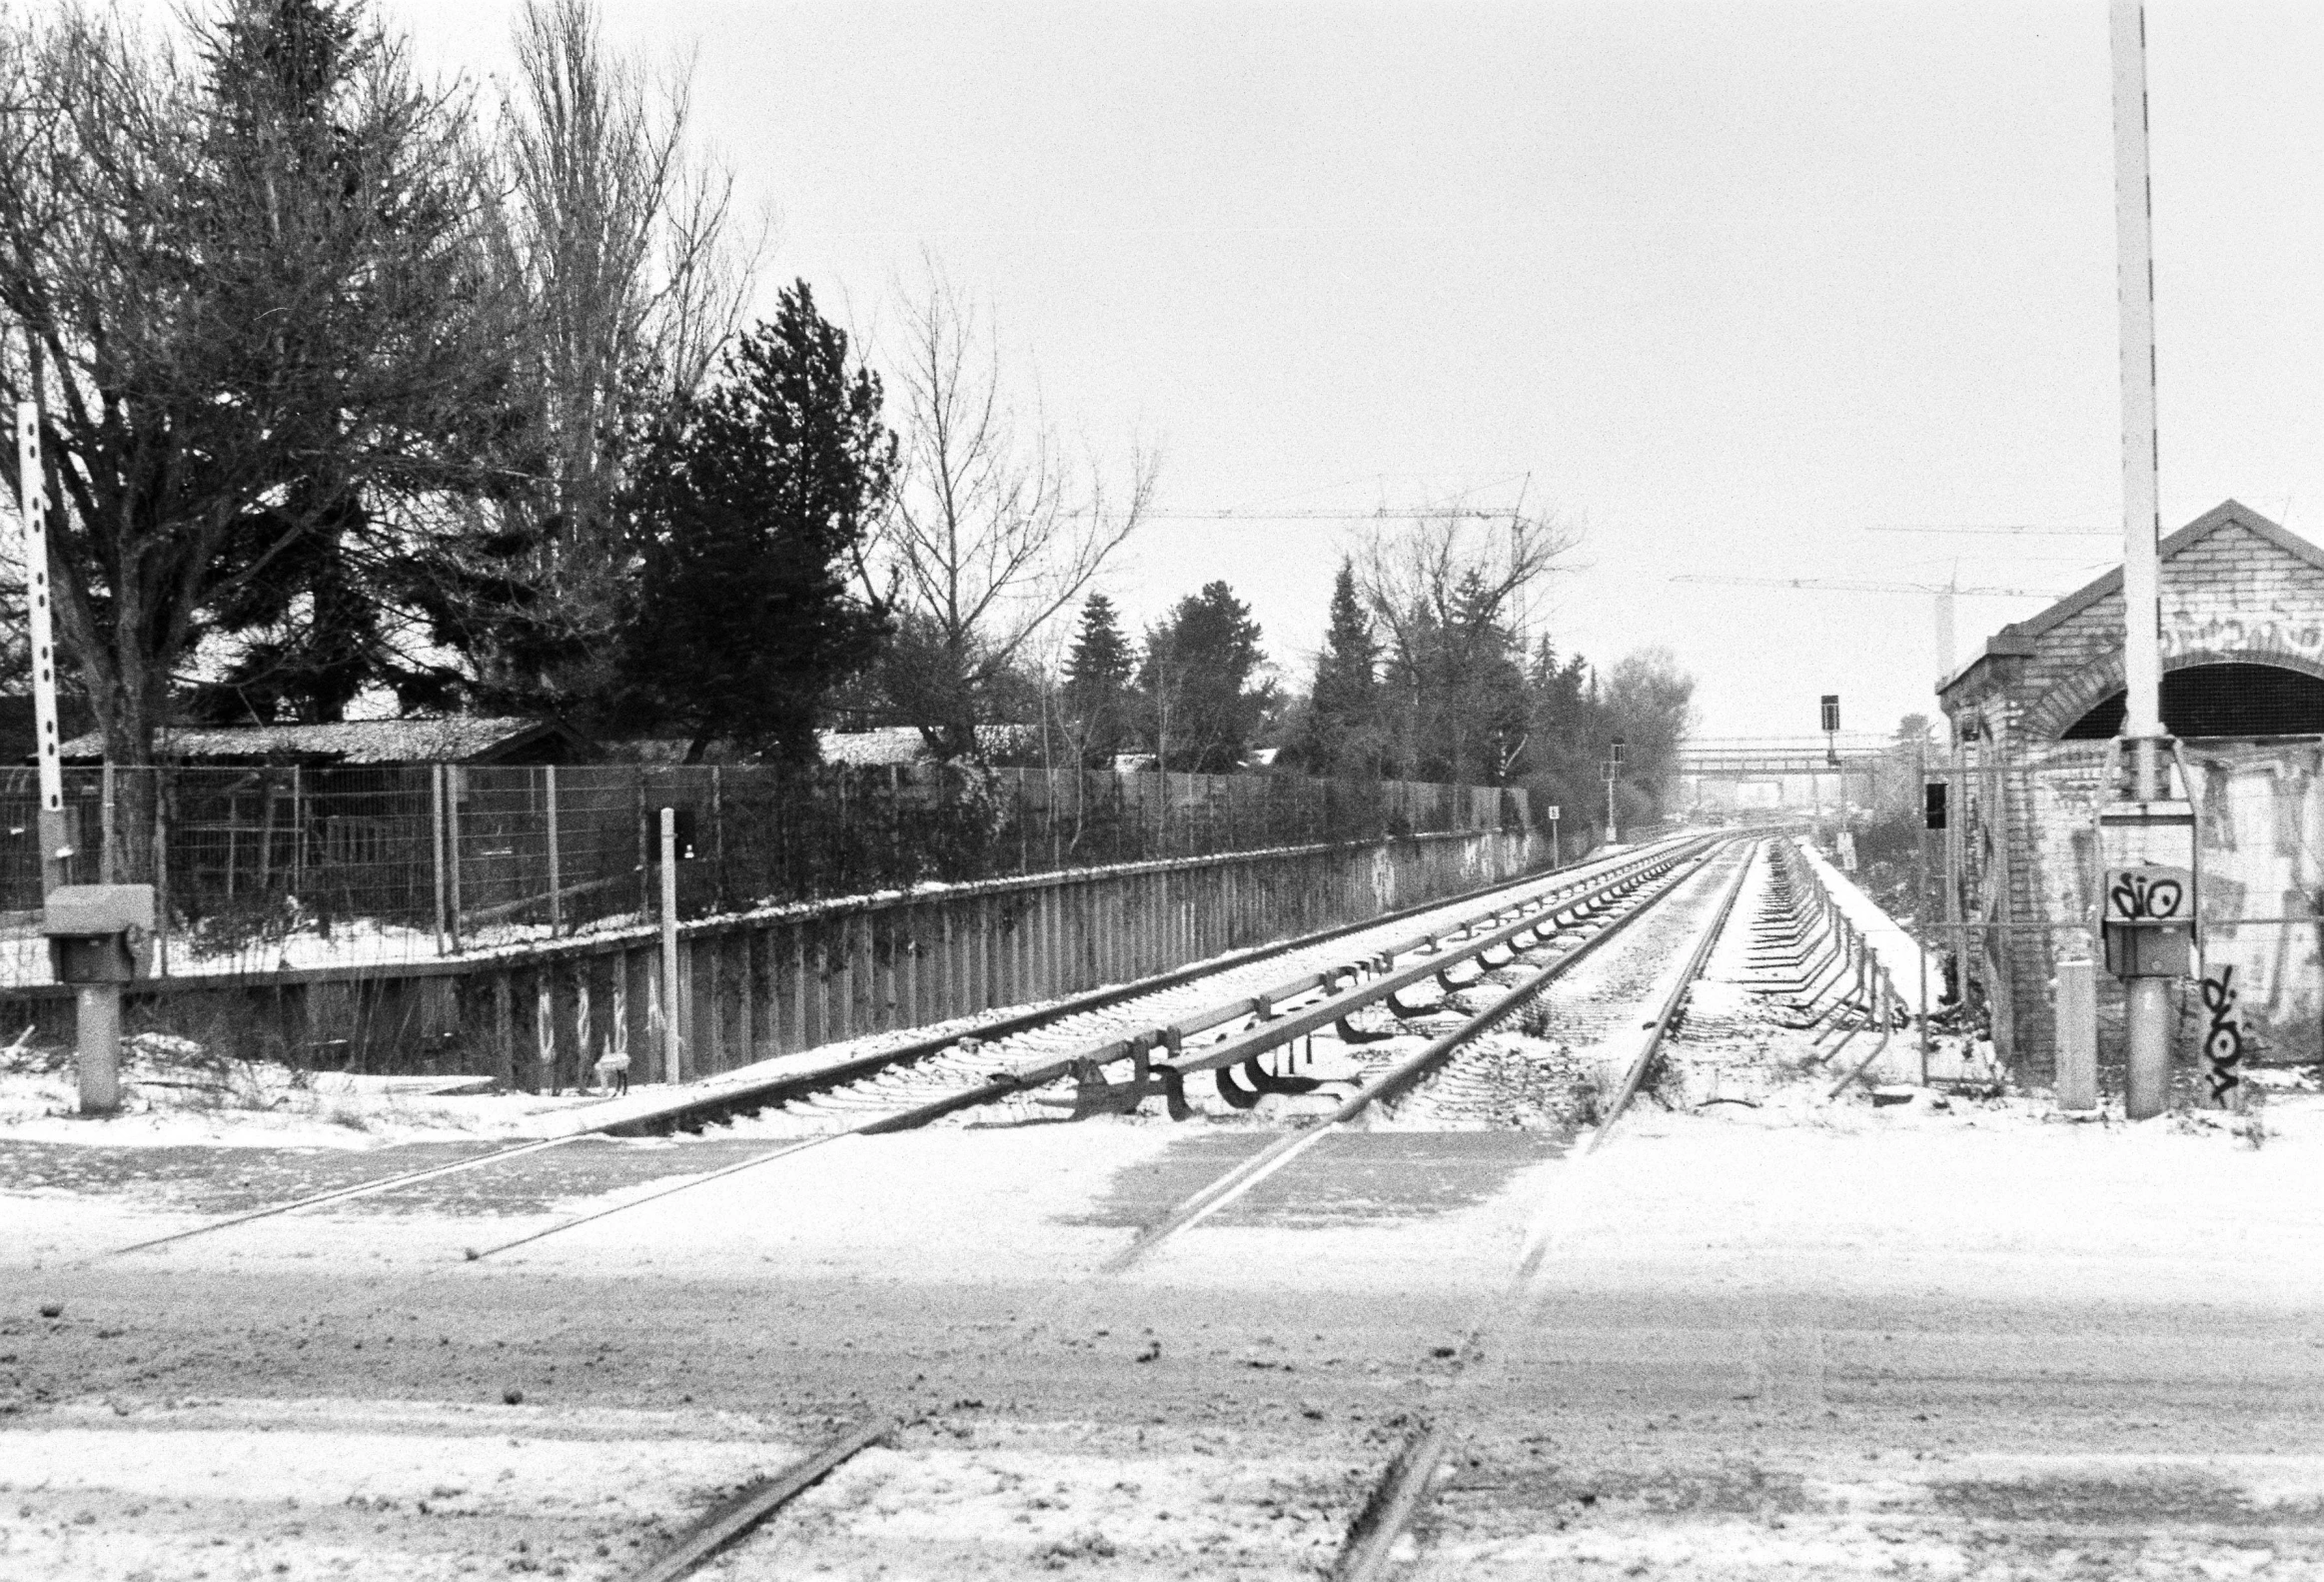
column 2235, row 589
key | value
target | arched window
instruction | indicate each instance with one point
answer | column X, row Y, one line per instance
column 2221, row 701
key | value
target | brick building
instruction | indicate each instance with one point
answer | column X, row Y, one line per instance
column 2033, row 718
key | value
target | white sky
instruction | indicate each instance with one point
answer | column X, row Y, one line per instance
column 1730, row 282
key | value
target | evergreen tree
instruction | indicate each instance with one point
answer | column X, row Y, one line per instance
column 306, row 633
column 1098, row 673
column 1196, row 682
column 750, row 513
column 1343, row 727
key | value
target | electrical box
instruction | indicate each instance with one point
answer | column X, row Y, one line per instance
column 97, row 933
column 2150, row 919
column 1932, row 800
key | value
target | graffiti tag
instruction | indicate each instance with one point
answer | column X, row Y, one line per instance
column 2136, row 896
column 2223, row 1043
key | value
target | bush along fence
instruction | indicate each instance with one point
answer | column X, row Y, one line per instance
column 754, row 985
column 268, row 869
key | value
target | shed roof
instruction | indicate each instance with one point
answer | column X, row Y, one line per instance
column 459, row 738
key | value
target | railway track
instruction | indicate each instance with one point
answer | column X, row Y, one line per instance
column 1253, row 1001
column 1535, row 954
column 1393, row 1020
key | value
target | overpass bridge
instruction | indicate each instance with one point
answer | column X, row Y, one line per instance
column 1808, row 771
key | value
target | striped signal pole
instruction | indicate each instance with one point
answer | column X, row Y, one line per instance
column 32, row 498
column 2148, row 1090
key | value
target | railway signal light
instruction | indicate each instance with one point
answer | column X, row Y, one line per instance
column 1932, row 797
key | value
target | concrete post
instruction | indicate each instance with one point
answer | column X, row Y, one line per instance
column 98, row 1014
column 2077, row 1033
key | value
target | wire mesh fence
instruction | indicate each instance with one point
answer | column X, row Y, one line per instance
column 269, row 868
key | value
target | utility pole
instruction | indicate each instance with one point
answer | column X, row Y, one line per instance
column 2148, row 938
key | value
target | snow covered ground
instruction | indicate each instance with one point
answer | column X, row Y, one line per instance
column 1771, row 1334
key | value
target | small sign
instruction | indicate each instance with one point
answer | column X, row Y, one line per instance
column 1552, row 812
column 2150, row 893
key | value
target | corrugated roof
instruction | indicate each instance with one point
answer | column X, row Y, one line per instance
column 458, row 740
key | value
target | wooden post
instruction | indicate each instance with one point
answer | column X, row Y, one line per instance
column 673, row 1005
column 161, row 874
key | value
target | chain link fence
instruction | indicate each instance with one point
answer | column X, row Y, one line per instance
column 268, row 869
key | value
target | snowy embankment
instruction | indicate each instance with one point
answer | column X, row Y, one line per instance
column 1898, row 951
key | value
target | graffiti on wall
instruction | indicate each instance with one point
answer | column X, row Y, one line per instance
column 2280, row 628
column 2223, row 1039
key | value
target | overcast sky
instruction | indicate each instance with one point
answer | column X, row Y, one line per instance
column 1727, row 285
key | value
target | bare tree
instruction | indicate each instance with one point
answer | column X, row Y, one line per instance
column 1447, row 590
column 996, row 527
column 623, row 244
column 249, row 290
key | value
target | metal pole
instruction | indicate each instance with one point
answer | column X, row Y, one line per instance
column 2150, row 997
column 31, row 495
column 1921, row 916
column 673, row 1066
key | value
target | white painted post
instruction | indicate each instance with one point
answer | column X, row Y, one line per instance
column 673, row 1005
column 556, row 876
column 436, row 824
column 453, row 787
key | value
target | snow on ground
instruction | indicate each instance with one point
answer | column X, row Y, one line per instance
column 176, row 1094
column 411, row 1490
column 425, row 1492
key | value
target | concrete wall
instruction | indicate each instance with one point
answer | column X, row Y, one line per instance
column 793, row 980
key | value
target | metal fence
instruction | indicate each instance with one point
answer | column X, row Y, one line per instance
column 267, row 868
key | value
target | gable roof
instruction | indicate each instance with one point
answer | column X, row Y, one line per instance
column 2228, row 512
column 461, row 738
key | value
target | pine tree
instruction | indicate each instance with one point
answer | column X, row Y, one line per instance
column 1196, row 679
column 1098, row 672
column 750, row 513
column 1343, row 733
